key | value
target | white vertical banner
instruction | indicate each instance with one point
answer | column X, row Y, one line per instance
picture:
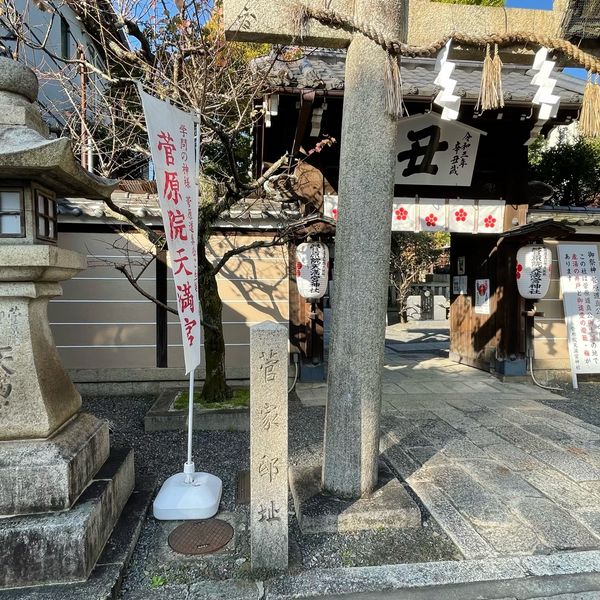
column 461, row 216
column 404, row 214
column 580, row 288
column 171, row 137
column 490, row 216
column 432, row 215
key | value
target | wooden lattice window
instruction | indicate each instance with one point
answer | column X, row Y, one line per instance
column 45, row 216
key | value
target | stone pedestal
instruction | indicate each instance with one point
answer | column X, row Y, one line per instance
column 64, row 546
column 49, row 475
column 389, row 506
column 36, row 394
column 61, row 488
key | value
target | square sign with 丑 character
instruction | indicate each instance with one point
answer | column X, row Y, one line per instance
column 435, row 152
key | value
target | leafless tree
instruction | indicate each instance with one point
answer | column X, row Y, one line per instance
column 178, row 53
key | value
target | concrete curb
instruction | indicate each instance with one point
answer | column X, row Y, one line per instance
column 389, row 578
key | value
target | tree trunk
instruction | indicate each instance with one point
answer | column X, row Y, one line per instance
column 215, row 386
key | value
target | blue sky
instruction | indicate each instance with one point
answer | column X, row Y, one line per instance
column 542, row 4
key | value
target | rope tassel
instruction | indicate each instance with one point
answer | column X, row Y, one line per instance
column 394, row 105
column 498, row 75
column 300, row 16
column 589, row 119
column 490, row 91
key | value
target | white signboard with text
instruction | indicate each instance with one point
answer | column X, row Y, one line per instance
column 431, row 151
column 581, row 299
column 171, row 136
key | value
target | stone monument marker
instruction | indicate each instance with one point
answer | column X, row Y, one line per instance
column 366, row 189
column 269, row 446
column 62, row 488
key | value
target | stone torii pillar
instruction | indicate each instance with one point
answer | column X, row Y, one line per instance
column 363, row 230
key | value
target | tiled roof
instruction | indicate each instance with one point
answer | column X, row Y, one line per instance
column 324, row 69
column 576, row 215
column 146, row 206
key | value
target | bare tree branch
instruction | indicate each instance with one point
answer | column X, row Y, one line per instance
column 133, row 281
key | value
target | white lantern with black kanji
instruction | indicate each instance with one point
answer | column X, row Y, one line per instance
column 312, row 267
column 534, row 267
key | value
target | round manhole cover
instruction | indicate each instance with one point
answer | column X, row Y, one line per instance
column 200, row 537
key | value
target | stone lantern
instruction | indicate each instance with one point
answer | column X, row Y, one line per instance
column 61, row 487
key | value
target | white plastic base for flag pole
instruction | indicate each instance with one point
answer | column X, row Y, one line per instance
column 188, row 495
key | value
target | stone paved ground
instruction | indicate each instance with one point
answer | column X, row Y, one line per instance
column 501, row 472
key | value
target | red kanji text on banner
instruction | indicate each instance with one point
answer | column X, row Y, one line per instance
column 171, row 136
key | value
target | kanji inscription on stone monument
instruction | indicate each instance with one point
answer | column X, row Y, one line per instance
column 268, row 446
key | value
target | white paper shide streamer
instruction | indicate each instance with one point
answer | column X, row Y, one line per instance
column 446, row 98
column 544, row 97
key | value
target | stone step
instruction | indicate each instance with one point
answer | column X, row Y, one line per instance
column 39, row 476
column 64, row 547
column 106, row 579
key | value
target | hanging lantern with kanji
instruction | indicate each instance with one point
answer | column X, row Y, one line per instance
column 534, row 267
column 312, row 267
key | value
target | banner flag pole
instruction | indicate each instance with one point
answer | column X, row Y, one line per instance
column 189, row 467
column 174, row 139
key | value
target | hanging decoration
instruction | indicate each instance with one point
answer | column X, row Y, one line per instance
column 534, row 266
column 270, row 108
column 461, row 216
column 547, row 101
column 312, row 269
column 432, row 215
column 589, row 119
column 491, row 96
column 490, row 216
column 404, row 214
column 491, row 88
column 394, row 104
column 446, row 97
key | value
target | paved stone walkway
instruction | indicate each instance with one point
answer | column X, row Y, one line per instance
column 501, row 473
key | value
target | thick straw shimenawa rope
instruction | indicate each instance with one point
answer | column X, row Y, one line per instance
column 491, row 95
column 336, row 20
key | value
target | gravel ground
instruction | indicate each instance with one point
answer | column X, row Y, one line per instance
column 583, row 403
column 155, row 568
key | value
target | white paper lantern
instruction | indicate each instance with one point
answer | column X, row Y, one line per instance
column 534, row 267
column 312, row 267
